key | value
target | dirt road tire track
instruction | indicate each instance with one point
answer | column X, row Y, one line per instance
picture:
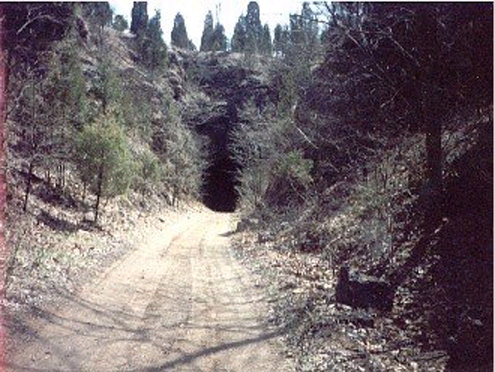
column 179, row 302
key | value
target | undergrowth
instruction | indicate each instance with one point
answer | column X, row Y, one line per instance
column 372, row 219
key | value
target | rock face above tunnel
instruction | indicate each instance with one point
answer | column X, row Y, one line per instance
column 224, row 76
column 225, row 83
column 229, row 76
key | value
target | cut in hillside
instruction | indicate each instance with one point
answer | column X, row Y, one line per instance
column 356, row 145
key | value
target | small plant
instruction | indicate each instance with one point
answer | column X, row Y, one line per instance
column 290, row 181
column 294, row 165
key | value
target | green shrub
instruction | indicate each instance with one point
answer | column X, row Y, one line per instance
column 294, row 165
column 104, row 158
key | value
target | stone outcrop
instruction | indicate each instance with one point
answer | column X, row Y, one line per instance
column 358, row 290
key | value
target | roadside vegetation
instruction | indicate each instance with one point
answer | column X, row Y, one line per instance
column 95, row 142
column 377, row 156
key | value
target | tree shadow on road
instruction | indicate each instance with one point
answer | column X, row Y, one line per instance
column 190, row 357
column 112, row 327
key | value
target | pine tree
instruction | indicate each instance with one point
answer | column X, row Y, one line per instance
column 33, row 115
column 104, row 158
column 303, row 41
column 280, row 40
column 120, row 23
column 277, row 39
column 310, row 30
column 107, row 87
column 139, row 20
column 266, row 41
column 254, row 28
column 296, row 30
column 239, row 37
column 219, row 40
column 153, row 49
column 179, row 36
column 69, row 106
column 207, row 37
column 99, row 14
column 103, row 14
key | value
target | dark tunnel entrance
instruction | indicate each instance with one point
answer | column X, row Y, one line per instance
column 219, row 185
column 219, row 189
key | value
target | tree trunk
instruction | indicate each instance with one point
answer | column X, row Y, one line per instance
column 434, row 155
column 85, row 186
column 63, row 176
column 99, row 191
column 434, row 188
column 433, row 107
column 48, row 177
column 28, row 185
column 59, row 180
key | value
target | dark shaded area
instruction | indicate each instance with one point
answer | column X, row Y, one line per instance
column 363, row 292
column 219, row 191
column 56, row 223
column 465, row 269
column 457, row 295
column 31, row 27
column 230, row 85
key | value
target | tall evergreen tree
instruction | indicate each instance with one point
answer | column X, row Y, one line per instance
column 266, row 41
column 281, row 37
column 254, row 28
column 219, row 40
column 300, row 45
column 309, row 25
column 304, row 30
column 296, row 30
column 120, row 23
column 207, row 37
column 153, row 48
column 239, row 37
column 103, row 14
column 99, row 15
column 139, row 20
column 277, row 39
column 179, row 36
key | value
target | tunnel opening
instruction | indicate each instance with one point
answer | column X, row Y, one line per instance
column 219, row 186
column 220, row 181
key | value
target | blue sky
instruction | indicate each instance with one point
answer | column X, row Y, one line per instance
column 227, row 11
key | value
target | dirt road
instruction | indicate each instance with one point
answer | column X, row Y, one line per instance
column 179, row 302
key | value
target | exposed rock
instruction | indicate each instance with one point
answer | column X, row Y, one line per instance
column 358, row 290
column 227, row 76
